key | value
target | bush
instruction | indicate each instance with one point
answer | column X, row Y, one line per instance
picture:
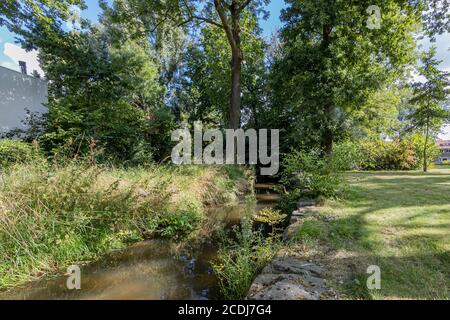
column 241, row 260
column 417, row 141
column 347, row 156
column 309, row 174
column 388, row 155
column 16, row 151
column 179, row 220
column 401, row 154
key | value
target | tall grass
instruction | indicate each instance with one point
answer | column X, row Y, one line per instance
column 241, row 258
column 52, row 215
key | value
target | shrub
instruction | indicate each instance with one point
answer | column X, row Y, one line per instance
column 400, row 154
column 16, row 151
column 271, row 219
column 347, row 156
column 388, row 155
column 241, row 260
column 417, row 141
column 309, row 174
column 179, row 220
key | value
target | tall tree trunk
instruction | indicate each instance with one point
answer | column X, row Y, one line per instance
column 233, row 32
column 235, row 99
column 427, row 132
column 327, row 142
column 328, row 135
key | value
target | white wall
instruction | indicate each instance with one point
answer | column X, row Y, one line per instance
column 19, row 92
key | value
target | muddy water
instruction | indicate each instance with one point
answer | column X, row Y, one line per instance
column 146, row 270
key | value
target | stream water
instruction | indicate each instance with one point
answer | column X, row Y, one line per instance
column 148, row 270
column 145, row 270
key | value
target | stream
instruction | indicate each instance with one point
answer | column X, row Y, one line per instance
column 147, row 270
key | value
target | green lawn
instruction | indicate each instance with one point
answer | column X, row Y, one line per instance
column 399, row 221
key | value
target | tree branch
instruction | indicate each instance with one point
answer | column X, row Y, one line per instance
column 244, row 5
column 225, row 24
column 203, row 19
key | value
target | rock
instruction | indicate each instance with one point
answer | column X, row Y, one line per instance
column 291, row 230
column 280, row 287
column 306, row 203
column 288, row 278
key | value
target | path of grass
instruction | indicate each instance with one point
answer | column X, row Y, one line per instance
column 399, row 221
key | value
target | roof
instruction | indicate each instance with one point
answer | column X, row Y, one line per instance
column 443, row 143
column 25, row 75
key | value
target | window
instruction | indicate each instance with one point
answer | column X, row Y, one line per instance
column 23, row 67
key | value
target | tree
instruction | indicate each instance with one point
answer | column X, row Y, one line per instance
column 227, row 15
column 103, row 85
column 430, row 98
column 332, row 61
column 35, row 20
column 435, row 16
column 378, row 117
column 204, row 89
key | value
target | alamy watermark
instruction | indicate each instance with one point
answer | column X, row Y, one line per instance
column 74, row 277
column 374, row 20
column 241, row 147
column 374, row 280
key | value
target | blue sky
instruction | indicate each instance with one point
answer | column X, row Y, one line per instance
column 93, row 11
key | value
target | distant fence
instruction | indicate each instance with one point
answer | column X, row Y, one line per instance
column 18, row 93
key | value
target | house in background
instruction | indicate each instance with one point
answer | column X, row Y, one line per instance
column 444, row 146
column 19, row 93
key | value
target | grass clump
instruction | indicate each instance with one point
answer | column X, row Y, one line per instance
column 53, row 215
column 240, row 259
column 15, row 151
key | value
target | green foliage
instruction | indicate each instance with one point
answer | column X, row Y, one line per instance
column 388, row 155
column 241, row 260
column 309, row 174
column 327, row 68
column 15, row 152
column 430, row 98
column 205, row 85
column 56, row 213
column 180, row 220
column 34, row 21
column 347, row 155
column 120, row 108
column 377, row 154
column 417, row 141
column 270, row 220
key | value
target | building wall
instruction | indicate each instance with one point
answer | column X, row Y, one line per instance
column 19, row 92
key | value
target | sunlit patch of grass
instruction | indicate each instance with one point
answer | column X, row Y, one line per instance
column 397, row 220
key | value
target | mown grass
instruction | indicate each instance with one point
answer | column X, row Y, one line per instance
column 399, row 221
column 55, row 215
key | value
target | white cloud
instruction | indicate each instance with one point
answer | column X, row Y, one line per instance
column 17, row 54
column 445, row 135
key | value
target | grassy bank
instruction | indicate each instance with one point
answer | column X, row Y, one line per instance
column 53, row 215
column 399, row 221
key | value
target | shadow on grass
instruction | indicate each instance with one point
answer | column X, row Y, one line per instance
column 410, row 246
